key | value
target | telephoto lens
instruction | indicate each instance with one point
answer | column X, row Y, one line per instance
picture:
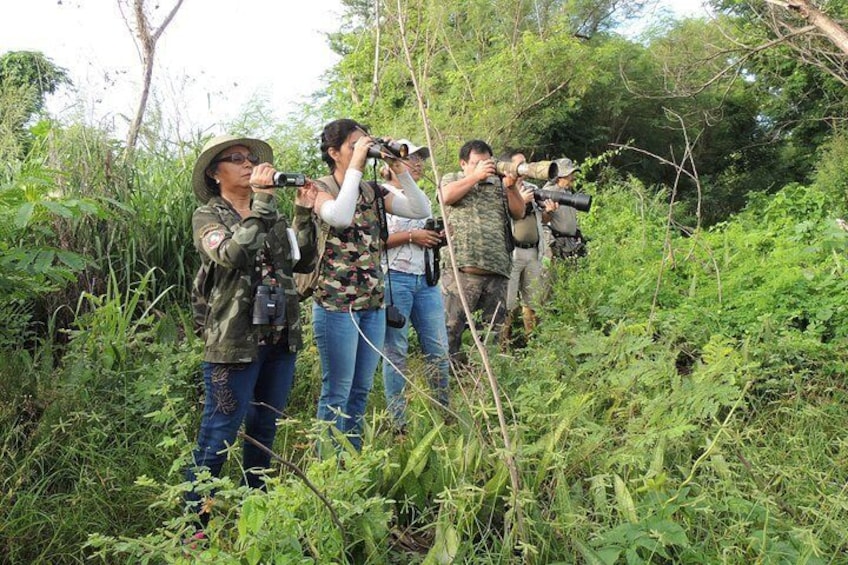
column 578, row 200
column 538, row 170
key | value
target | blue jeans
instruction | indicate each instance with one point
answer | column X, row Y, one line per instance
column 424, row 309
column 348, row 364
column 233, row 391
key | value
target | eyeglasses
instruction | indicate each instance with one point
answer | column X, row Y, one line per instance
column 238, row 158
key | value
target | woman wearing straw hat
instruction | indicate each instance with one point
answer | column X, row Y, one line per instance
column 244, row 300
column 348, row 316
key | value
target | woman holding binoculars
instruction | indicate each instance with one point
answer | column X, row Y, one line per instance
column 250, row 344
column 348, row 316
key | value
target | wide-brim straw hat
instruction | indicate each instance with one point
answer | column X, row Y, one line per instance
column 204, row 186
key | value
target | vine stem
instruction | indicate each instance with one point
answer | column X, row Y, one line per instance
column 302, row 476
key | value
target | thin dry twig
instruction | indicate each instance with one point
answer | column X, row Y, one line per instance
column 302, row 476
column 680, row 169
column 493, row 383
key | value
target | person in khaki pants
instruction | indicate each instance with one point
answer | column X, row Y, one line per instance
column 527, row 280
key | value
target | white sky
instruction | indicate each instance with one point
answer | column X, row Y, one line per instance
column 212, row 59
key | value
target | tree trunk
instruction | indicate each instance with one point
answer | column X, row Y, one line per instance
column 147, row 45
column 375, row 80
column 817, row 18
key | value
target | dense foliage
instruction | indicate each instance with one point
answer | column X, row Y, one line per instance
column 683, row 400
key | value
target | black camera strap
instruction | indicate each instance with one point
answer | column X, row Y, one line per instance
column 380, row 202
column 432, row 268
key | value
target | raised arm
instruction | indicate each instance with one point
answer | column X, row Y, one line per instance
column 234, row 248
column 338, row 211
column 455, row 191
column 412, row 203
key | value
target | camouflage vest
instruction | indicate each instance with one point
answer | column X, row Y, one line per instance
column 480, row 227
column 349, row 276
column 234, row 251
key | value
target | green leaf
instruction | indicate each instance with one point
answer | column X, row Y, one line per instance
column 57, row 208
column 42, row 261
column 71, row 260
column 418, row 457
column 24, row 214
column 624, row 500
column 445, row 547
column 606, row 556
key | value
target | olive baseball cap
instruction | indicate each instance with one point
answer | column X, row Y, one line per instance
column 565, row 167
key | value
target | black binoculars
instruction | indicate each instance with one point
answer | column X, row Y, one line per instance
column 383, row 148
column 437, row 225
column 269, row 306
column 289, row 179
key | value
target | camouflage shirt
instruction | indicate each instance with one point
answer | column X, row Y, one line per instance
column 480, row 226
column 237, row 254
column 351, row 277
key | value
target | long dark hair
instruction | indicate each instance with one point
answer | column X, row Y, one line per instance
column 334, row 135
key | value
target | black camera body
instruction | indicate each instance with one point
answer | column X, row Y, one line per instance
column 437, row 225
column 384, row 147
column 578, row 200
column 289, row 179
column 394, row 319
column 269, row 306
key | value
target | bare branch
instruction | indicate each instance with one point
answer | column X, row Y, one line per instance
column 818, row 19
column 375, row 79
column 167, row 21
column 146, row 40
column 302, row 476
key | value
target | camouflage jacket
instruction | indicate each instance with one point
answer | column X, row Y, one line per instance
column 480, row 226
column 231, row 251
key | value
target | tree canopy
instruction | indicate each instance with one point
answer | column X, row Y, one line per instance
column 26, row 78
column 556, row 78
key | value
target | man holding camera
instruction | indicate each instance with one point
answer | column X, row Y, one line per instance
column 479, row 205
column 526, row 282
column 566, row 241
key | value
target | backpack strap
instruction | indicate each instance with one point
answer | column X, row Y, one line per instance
column 306, row 282
column 323, row 228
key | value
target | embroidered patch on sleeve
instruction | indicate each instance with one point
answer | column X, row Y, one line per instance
column 213, row 239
